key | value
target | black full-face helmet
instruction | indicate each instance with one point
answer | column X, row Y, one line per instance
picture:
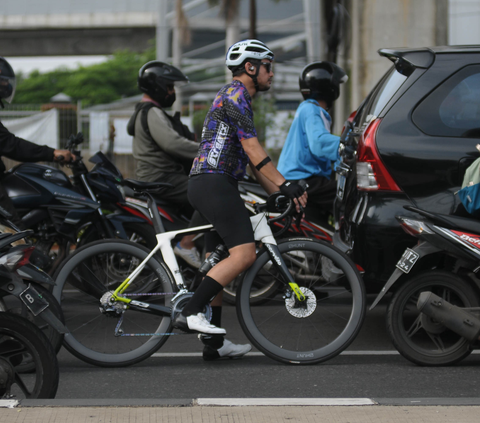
column 155, row 78
column 7, row 81
column 321, row 81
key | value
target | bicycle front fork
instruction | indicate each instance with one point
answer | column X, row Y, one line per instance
column 279, row 263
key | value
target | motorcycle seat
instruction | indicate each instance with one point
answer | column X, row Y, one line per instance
column 450, row 221
column 253, row 188
column 146, row 186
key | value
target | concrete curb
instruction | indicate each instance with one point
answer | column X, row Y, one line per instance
column 240, row 402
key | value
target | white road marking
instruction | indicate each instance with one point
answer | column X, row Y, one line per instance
column 239, row 402
column 259, row 354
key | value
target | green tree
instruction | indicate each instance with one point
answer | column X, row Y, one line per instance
column 96, row 84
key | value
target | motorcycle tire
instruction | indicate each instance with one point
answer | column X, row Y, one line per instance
column 21, row 342
column 55, row 338
column 416, row 336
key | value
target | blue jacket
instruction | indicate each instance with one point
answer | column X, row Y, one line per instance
column 310, row 147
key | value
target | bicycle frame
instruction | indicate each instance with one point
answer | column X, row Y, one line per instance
column 262, row 232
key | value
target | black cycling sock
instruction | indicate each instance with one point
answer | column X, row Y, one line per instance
column 207, row 290
column 216, row 316
column 214, row 341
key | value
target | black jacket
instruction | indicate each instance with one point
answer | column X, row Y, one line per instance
column 18, row 149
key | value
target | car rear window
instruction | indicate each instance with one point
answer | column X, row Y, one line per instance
column 379, row 97
column 453, row 108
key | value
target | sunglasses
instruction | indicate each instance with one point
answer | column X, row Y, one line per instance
column 268, row 66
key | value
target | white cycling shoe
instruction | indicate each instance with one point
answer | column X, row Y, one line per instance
column 191, row 256
column 228, row 350
column 197, row 323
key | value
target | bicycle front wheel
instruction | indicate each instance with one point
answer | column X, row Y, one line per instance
column 122, row 336
column 309, row 331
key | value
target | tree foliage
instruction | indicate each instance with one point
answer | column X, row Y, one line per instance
column 95, row 84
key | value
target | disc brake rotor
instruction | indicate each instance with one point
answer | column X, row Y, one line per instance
column 301, row 309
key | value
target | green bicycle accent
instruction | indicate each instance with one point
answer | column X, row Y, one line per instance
column 116, row 294
column 298, row 292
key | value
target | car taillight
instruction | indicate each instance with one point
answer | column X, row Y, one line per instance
column 372, row 175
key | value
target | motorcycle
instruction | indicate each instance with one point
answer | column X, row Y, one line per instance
column 23, row 291
column 436, row 288
column 64, row 212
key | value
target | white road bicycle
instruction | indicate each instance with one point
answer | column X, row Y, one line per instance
column 112, row 323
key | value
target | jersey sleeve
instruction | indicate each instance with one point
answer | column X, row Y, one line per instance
column 321, row 142
column 240, row 114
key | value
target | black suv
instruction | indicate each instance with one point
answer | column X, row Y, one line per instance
column 416, row 133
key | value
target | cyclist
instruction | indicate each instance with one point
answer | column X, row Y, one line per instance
column 310, row 148
column 229, row 142
column 16, row 148
column 163, row 147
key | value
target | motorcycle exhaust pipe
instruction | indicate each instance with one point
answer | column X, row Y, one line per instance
column 454, row 318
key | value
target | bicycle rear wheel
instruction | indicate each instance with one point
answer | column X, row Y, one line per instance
column 314, row 330
column 80, row 283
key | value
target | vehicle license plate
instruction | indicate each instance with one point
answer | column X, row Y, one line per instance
column 341, row 187
column 408, row 260
column 33, row 300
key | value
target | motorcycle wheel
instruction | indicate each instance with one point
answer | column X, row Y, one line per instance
column 119, row 336
column 15, row 306
column 416, row 336
column 315, row 330
column 20, row 341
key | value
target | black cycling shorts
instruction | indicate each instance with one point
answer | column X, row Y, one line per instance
column 217, row 199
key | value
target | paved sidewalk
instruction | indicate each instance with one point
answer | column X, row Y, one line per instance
column 243, row 410
column 260, row 414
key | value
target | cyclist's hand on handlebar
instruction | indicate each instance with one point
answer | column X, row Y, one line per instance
column 63, row 156
column 297, row 191
column 292, row 189
column 301, row 203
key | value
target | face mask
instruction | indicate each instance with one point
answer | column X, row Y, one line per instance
column 168, row 100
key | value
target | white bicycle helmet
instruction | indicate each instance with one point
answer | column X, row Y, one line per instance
column 239, row 53
column 247, row 49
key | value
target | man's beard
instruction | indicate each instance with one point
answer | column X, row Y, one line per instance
column 264, row 87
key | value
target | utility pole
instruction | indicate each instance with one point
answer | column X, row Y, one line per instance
column 162, row 35
column 313, row 29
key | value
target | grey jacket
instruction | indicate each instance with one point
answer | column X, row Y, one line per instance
column 162, row 152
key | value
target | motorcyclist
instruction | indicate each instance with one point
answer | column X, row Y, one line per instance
column 310, row 148
column 163, row 147
column 16, row 148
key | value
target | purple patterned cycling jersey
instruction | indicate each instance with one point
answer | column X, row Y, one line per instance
column 228, row 122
